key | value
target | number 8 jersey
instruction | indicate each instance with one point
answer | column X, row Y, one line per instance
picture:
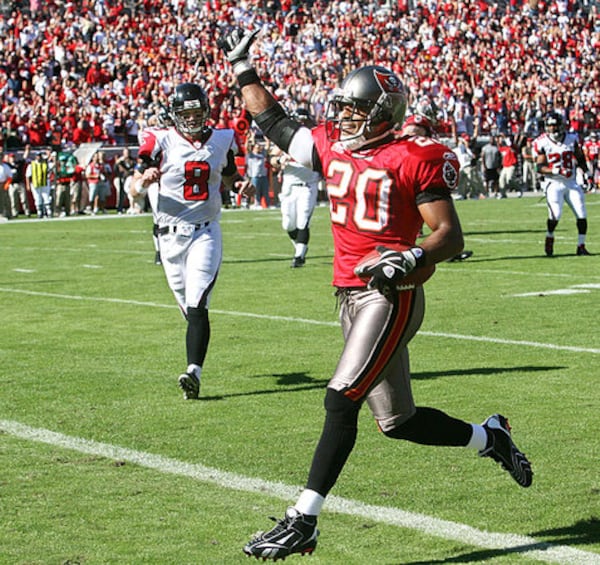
column 191, row 173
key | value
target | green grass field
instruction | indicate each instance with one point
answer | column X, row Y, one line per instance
column 102, row 462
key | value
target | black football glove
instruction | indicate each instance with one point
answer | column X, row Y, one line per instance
column 236, row 45
column 390, row 269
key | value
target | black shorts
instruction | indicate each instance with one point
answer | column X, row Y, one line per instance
column 490, row 175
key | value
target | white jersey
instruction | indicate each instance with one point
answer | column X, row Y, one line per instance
column 5, row 173
column 295, row 174
column 191, row 174
column 560, row 156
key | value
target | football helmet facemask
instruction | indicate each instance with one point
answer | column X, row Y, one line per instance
column 555, row 126
column 189, row 109
column 369, row 103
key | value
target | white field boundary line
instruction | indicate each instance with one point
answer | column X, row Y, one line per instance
column 463, row 337
column 511, row 543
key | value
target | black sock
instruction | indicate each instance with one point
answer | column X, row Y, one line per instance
column 430, row 426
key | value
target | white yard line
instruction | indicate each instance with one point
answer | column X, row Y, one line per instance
column 510, row 543
column 463, row 337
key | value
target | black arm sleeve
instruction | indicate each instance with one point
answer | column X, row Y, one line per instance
column 432, row 194
column 277, row 126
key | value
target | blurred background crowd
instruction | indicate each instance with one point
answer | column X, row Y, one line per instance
column 97, row 71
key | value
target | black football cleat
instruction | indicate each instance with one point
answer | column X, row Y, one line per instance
column 189, row 383
column 462, row 256
column 298, row 262
column 296, row 533
column 549, row 246
column 502, row 449
column 581, row 250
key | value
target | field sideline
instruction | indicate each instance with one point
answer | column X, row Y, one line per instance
column 105, row 463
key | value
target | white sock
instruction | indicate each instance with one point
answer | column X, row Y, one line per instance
column 195, row 369
column 301, row 249
column 581, row 239
column 310, row 502
column 479, row 438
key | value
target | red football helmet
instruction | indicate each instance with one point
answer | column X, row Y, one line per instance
column 420, row 121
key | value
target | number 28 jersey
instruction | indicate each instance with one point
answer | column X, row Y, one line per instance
column 374, row 194
column 191, row 173
column 560, row 154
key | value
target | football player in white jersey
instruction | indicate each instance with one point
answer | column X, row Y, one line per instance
column 557, row 155
column 190, row 161
column 299, row 191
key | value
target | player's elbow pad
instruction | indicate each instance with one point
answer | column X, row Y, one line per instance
column 277, row 126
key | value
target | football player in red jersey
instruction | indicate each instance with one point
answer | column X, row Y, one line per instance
column 381, row 188
column 189, row 160
column 422, row 126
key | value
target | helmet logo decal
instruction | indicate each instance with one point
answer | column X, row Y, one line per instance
column 389, row 82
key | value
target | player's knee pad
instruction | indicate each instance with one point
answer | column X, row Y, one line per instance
column 582, row 225
column 303, row 236
column 341, row 409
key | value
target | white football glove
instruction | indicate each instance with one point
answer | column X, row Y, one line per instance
column 236, row 46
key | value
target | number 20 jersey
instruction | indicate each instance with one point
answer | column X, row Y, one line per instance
column 191, row 173
column 373, row 194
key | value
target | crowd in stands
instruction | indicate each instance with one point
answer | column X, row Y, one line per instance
column 82, row 71
column 96, row 70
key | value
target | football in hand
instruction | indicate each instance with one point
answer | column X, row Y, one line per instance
column 417, row 277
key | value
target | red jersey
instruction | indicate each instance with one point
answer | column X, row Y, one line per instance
column 373, row 194
column 509, row 157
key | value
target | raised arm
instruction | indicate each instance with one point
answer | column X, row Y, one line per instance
column 289, row 135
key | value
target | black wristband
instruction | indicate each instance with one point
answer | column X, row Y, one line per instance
column 419, row 254
column 248, row 77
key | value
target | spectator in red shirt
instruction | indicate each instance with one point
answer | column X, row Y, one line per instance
column 81, row 133
column 509, row 166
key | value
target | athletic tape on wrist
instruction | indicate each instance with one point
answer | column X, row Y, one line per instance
column 248, row 77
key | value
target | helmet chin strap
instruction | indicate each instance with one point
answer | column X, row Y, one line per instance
column 360, row 141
